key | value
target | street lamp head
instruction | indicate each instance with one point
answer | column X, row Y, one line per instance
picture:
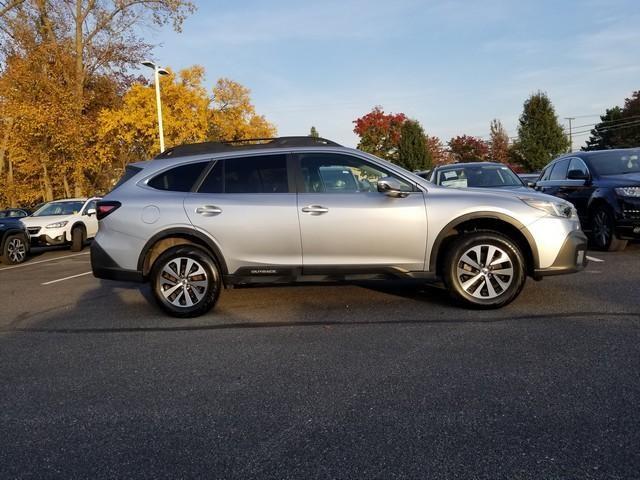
column 149, row 63
column 162, row 71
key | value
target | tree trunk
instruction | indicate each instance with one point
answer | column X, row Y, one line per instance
column 5, row 143
column 65, row 184
column 48, row 188
column 12, row 192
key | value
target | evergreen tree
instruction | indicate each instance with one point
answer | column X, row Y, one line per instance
column 541, row 137
column 619, row 127
column 314, row 133
column 499, row 149
column 412, row 148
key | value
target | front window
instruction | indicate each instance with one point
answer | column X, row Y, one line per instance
column 616, row 163
column 336, row 173
column 478, row 176
column 59, row 208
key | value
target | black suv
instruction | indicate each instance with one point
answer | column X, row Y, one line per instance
column 605, row 188
column 14, row 240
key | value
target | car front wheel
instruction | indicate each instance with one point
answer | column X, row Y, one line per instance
column 603, row 234
column 15, row 250
column 186, row 281
column 484, row 270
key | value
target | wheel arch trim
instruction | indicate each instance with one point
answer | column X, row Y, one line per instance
column 450, row 229
column 187, row 233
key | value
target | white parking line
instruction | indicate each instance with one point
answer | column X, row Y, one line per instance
column 594, row 259
column 42, row 261
column 66, row 278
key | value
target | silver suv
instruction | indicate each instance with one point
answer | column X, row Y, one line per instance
column 298, row 209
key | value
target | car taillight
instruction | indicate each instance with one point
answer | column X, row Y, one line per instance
column 105, row 207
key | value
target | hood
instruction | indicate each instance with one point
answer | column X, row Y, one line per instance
column 44, row 220
column 484, row 194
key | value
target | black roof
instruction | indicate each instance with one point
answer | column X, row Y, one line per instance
column 249, row 144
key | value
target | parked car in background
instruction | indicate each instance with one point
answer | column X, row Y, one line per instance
column 70, row 221
column 424, row 173
column 14, row 240
column 201, row 216
column 478, row 175
column 14, row 213
column 604, row 186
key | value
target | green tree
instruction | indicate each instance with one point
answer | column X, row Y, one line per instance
column 412, row 147
column 314, row 133
column 541, row 137
column 619, row 127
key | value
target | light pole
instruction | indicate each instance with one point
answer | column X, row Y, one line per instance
column 157, row 71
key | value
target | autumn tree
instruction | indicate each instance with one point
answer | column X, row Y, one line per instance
column 129, row 132
column 96, row 41
column 499, row 142
column 412, row 147
column 438, row 152
column 379, row 133
column 466, row 148
column 618, row 127
column 540, row 135
column 233, row 116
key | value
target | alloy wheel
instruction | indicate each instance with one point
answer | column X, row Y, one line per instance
column 183, row 282
column 601, row 228
column 16, row 250
column 485, row 271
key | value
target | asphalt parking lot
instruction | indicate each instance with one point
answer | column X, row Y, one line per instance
column 366, row 381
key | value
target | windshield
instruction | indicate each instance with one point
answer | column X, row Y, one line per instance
column 59, row 208
column 616, row 163
column 480, row 176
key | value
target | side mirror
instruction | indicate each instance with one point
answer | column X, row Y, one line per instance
column 91, row 211
column 577, row 175
column 391, row 187
column 531, row 184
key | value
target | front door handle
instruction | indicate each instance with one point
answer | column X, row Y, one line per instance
column 315, row 209
column 208, row 210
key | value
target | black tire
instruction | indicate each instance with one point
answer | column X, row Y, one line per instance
column 78, row 237
column 602, row 233
column 204, row 288
column 14, row 250
column 468, row 286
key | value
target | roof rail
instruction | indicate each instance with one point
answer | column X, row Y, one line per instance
column 248, row 144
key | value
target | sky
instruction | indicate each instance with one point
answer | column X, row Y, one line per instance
column 453, row 65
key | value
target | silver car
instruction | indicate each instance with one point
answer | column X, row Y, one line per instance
column 294, row 209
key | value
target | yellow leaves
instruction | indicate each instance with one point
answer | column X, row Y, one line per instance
column 130, row 132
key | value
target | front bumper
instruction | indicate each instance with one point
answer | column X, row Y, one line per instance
column 104, row 266
column 571, row 258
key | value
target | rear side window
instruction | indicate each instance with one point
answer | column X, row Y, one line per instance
column 178, row 179
column 258, row 174
column 129, row 172
column 559, row 171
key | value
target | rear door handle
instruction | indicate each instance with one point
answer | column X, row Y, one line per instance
column 315, row 209
column 208, row 210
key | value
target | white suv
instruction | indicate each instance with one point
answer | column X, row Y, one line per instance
column 70, row 221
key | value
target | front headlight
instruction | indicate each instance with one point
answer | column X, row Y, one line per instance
column 56, row 225
column 628, row 191
column 557, row 208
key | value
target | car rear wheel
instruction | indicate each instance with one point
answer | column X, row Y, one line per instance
column 484, row 270
column 78, row 237
column 186, row 281
column 15, row 250
column 603, row 235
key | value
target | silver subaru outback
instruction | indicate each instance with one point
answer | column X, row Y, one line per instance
column 294, row 209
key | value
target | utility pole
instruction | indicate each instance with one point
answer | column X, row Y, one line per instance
column 570, row 119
